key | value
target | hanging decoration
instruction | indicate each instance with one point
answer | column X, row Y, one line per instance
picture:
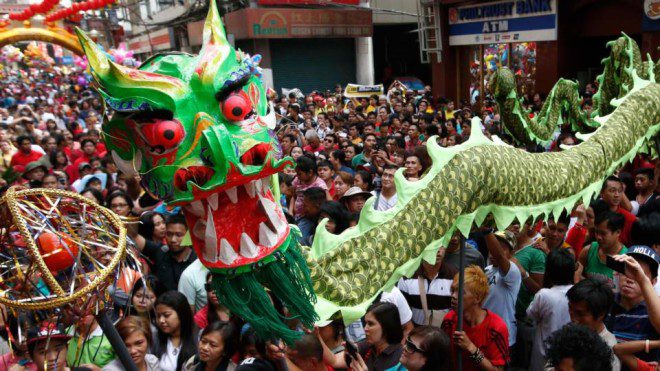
column 72, row 13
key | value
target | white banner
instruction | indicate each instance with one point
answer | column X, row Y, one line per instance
column 363, row 91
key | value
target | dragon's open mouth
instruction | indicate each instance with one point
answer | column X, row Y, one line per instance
column 238, row 225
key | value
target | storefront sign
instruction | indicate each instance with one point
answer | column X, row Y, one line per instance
column 651, row 19
column 272, row 23
column 363, row 91
column 308, row 2
column 157, row 40
column 503, row 22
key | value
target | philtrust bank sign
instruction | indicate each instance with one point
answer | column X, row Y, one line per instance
column 503, row 22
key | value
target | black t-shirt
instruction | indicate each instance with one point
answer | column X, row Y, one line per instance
column 387, row 359
column 164, row 266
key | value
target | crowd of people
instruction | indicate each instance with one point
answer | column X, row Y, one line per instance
column 537, row 295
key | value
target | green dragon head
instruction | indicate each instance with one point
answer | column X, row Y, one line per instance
column 199, row 132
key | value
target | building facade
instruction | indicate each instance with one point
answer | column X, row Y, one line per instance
column 540, row 40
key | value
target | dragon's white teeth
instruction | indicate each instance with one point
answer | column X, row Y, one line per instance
column 213, row 201
column 211, row 240
column 248, row 248
column 232, row 193
column 227, row 254
column 267, row 237
column 199, row 230
column 196, row 208
column 128, row 167
column 257, row 185
column 271, row 212
column 250, row 189
column 265, row 185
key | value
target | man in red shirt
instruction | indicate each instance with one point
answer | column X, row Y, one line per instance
column 313, row 142
column 24, row 155
column 612, row 194
column 484, row 339
column 89, row 151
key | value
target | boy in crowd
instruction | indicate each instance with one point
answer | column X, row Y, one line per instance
column 609, row 226
column 589, row 301
column 645, row 185
column 629, row 318
column 315, row 197
column 306, row 177
column 47, row 346
column 576, row 347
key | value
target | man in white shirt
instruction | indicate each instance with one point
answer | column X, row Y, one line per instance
column 386, row 198
column 191, row 285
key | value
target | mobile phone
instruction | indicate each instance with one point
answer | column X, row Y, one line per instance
column 616, row 266
column 351, row 351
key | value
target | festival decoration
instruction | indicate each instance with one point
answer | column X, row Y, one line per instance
column 199, row 132
column 62, row 257
column 51, row 34
column 34, row 56
column 120, row 54
column 11, row 54
column 34, row 9
column 53, row 248
column 80, row 62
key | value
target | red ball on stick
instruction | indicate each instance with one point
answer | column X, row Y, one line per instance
column 58, row 253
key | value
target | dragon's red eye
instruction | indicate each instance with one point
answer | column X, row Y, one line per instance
column 162, row 135
column 237, row 106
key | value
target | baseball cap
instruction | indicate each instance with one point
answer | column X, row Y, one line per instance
column 255, row 364
column 47, row 330
column 508, row 237
column 323, row 323
column 83, row 165
column 648, row 255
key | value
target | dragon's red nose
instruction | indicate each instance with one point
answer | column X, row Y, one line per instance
column 197, row 174
column 256, row 155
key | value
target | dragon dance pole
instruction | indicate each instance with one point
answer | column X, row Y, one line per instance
column 115, row 340
column 461, row 284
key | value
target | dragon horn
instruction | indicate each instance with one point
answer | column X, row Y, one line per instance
column 214, row 31
column 216, row 54
column 115, row 79
column 99, row 62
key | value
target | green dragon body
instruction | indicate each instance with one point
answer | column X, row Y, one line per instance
column 199, row 131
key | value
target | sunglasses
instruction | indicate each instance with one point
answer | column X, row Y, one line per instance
column 207, row 287
column 410, row 347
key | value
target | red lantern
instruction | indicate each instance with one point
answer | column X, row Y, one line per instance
column 27, row 13
column 58, row 252
column 85, row 5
